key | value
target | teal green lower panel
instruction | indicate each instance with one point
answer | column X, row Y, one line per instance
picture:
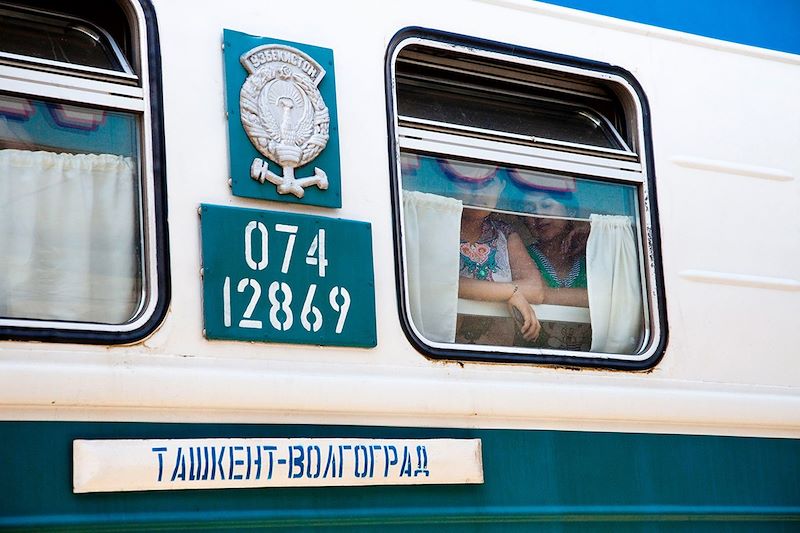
column 534, row 480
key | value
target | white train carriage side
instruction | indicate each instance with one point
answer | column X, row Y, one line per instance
column 464, row 265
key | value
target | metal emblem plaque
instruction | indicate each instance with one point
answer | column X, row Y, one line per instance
column 282, row 121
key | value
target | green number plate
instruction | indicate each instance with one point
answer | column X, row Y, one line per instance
column 282, row 277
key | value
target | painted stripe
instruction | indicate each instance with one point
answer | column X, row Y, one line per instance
column 492, row 518
column 613, row 481
column 727, row 167
column 741, row 280
column 771, row 24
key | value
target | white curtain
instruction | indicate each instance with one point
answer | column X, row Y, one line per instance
column 615, row 292
column 432, row 228
column 68, row 237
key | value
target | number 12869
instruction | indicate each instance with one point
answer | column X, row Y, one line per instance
column 280, row 294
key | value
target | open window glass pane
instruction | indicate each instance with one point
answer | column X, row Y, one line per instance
column 70, row 226
column 66, row 40
column 512, row 114
column 487, row 245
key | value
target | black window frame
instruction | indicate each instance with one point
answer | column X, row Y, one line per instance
column 652, row 248
column 156, row 220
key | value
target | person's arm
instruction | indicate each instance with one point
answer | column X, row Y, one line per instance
column 511, row 293
column 524, row 316
column 524, row 271
column 567, row 296
column 573, row 246
column 530, row 284
column 487, row 291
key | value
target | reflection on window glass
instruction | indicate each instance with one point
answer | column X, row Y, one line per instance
column 501, row 241
column 581, row 196
column 43, row 36
column 546, row 120
column 69, row 213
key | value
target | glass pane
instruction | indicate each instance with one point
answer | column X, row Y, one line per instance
column 70, row 228
column 468, row 181
column 546, row 120
column 507, row 239
column 43, row 36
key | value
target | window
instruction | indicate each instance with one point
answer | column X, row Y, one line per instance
column 524, row 205
column 81, row 190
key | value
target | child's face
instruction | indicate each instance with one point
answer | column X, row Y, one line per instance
column 476, row 185
column 482, row 194
column 544, row 204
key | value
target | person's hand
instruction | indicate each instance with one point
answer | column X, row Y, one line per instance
column 574, row 242
column 524, row 316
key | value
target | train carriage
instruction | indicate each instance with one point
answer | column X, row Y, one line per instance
column 464, row 265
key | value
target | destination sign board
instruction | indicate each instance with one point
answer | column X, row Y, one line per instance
column 135, row 465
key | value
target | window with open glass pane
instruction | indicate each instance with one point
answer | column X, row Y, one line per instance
column 521, row 204
column 77, row 192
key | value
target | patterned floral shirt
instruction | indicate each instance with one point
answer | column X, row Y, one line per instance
column 487, row 259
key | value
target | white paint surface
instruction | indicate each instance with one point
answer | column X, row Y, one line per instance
column 731, row 365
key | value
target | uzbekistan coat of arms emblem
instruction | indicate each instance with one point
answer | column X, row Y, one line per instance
column 284, row 115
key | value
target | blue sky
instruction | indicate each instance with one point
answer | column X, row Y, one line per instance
column 773, row 24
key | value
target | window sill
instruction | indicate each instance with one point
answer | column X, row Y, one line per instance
column 545, row 312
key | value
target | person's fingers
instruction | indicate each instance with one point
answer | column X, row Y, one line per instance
column 533, row 333
column 537, row 329
column 530, row 322
column 526, row 320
